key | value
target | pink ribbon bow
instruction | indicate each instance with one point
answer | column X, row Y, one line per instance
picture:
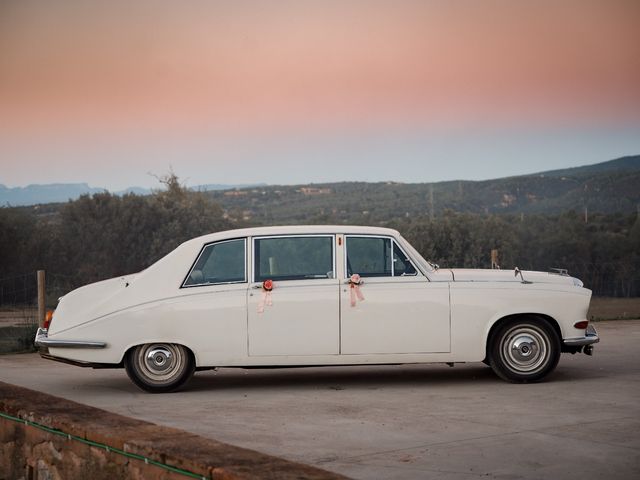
column 265, row 300
column 354, row 289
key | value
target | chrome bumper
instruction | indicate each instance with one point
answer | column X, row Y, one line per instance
column 590, row 337
column 42, row 340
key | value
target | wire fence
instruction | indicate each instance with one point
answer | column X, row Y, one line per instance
column 18, row 312
column 19, row 307
column 19, row 290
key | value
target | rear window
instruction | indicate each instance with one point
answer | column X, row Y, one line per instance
column 222, row 262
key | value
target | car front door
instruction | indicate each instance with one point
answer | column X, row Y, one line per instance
column 400, row 310
column 300, row 314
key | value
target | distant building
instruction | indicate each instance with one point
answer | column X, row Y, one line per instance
column 315, row 191
column 508, row 200
column 235, row 193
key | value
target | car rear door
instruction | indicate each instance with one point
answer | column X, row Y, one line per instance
column 300, row 315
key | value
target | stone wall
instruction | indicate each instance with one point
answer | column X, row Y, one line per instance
column 43, row 437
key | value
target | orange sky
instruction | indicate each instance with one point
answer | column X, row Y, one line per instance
column 125, row 69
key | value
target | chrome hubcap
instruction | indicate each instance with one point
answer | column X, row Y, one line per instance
column 159, row 359
column 161, row 362
column 525, row 348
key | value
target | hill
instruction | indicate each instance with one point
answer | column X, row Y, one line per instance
column 623, row 164
column 606, row 187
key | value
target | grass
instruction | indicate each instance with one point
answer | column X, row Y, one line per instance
column 18, row 325
column 17, row 338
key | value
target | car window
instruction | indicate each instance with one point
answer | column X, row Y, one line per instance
column 222, row 262
column 293, row 258
column 369, row 256
column 401, row 264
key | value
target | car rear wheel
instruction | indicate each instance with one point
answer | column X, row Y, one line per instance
column 159, row 367
column 524, row 350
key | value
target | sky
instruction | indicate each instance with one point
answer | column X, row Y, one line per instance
column 300, row 91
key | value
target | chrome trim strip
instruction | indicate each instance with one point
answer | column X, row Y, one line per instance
column 591, row 337
column 42, row 340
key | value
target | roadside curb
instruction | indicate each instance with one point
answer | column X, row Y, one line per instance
column 41, row 433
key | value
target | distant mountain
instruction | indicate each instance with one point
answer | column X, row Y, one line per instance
column 49, row 193
column 222, row 186
column 62, row 192
column 134, row 190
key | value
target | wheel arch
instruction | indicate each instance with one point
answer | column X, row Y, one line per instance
column 507, row 318
column 190, row 350
column 166, row 368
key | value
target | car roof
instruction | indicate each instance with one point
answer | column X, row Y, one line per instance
column 294, row 230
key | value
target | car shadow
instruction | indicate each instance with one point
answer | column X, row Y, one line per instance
column 340, row 377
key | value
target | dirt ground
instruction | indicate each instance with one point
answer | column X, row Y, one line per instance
column 608, row 308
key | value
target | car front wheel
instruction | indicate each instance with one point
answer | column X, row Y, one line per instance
column 524, row 350
column 159, row 367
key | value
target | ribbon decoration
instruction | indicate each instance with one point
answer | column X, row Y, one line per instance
column 354, row 289
column 265, row 300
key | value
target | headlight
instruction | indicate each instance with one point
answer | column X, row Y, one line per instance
column 578, row 283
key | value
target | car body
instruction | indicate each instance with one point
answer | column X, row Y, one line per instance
column 316, row 295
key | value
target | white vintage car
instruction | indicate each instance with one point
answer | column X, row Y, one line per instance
column 316, row 295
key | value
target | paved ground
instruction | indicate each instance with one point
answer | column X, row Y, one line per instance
column 400, row 422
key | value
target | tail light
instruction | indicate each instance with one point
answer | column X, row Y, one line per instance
column 581, row 325
column 47, row 319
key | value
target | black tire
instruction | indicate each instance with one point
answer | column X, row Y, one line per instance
column 524, row 350
column 159, row 367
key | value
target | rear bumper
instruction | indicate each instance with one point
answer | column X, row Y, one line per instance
column 590, row 337
column 42, row 340
column 78, row 363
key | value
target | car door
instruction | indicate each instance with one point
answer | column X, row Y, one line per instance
column 213, row 302
column 401, row 311
column 300, row 315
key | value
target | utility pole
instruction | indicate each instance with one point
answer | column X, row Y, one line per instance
column 586, row 203
column 431, row 213
column 41, row 298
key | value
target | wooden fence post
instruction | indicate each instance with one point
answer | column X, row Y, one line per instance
column 41, row 298
column 494, row 259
